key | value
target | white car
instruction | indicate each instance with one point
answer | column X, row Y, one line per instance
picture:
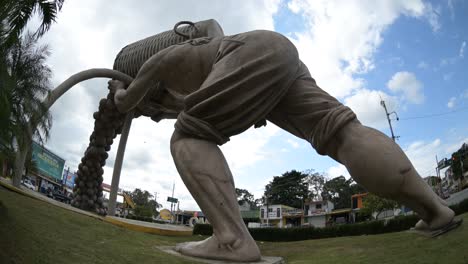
column 29, row 185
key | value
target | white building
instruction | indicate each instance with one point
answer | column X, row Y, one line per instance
column 278, row 215
column 316, row 213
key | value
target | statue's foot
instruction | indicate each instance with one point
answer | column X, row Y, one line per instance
column 211, row 248
column 421, row 225
column 441, row 220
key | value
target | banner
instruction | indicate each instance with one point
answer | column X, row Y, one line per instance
column 69, row 178
column 48, row 164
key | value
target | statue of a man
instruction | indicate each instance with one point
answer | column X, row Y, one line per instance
column 222, row 86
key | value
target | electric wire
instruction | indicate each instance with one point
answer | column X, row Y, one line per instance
column 434, row 115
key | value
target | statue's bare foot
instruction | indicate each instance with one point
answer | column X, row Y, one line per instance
column 442, row 219
column 241, row 250
column 421, row 225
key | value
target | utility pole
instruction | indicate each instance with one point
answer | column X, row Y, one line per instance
column 440, row 179
column 156, row 200
column 172, row 203
column 382, row 103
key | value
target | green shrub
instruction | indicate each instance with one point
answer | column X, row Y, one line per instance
column 203, row 229
column 140, row 218
column 159, row 222
column 401, row 223
column 396, row 224
column 460, row 208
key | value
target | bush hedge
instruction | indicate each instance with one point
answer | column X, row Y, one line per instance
column 304, row 233
column 203, row 229
column 399, row 223
column 145, row 219
column 460, row 208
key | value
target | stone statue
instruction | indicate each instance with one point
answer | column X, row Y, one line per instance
column 218, row 87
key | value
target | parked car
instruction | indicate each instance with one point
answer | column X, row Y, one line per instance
column 60, row 196
column 29, row 184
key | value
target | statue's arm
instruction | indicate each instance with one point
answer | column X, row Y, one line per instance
column 147, row 77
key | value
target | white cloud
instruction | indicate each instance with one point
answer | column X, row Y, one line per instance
column 423, row 65
column 461, row 52
column 423, row 154
column 432, row 16
column 293, row 143
column 447, row 76
column 451, row 102
column 451, row 9
column 248, row 148
column 335, row 55
column 465, row 94
column 338, row 170
column 366, row 104
column 448, row 61
column 409, row 85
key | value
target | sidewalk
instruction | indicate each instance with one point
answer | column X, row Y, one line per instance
column 140, row 226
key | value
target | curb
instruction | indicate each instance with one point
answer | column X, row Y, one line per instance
column 55, row 203
column 107, row 219
column 147, row 229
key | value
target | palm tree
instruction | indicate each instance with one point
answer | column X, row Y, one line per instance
column 25, row 84
column 15, row 15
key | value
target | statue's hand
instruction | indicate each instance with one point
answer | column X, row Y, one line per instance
column 118, row 89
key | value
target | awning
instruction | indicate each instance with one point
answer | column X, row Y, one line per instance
column 340, row 211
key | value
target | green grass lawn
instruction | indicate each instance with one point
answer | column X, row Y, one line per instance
column 33, row 231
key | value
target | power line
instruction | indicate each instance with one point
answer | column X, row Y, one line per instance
column 435, row 115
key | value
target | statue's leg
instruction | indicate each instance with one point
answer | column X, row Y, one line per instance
column 206, row 174
column 372, row 158
column 379, row 164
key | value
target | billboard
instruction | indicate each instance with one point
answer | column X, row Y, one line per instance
column 48, row 164
column 69, row 178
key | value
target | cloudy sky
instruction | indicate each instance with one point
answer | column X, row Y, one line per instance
column 410, row 53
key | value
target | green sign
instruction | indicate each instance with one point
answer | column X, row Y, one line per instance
column 172, row 199
column 48, row 164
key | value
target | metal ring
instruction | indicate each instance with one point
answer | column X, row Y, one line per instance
column 184, row 23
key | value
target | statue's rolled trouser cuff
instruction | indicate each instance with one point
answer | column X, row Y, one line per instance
column 198, row 128
column 328, row 126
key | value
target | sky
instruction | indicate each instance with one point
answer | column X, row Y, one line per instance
column 410, row 53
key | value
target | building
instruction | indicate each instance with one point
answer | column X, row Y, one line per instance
column 279, row 215
column 316, row 213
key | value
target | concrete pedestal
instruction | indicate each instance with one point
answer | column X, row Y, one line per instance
column 264, row 260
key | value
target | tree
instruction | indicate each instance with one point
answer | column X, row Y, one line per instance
column 375, row 204
column 140, row 197
column 145, row 205
column 25, row 82
column 316, row 183
column 339, row 191
column 460, row 164
column 15, row 14
column 244, row 196
column 291, row 188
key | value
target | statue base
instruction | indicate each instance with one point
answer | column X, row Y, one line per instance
column 433, row 233
column 263, row 260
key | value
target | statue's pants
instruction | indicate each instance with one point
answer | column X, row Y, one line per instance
column 257, row 76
